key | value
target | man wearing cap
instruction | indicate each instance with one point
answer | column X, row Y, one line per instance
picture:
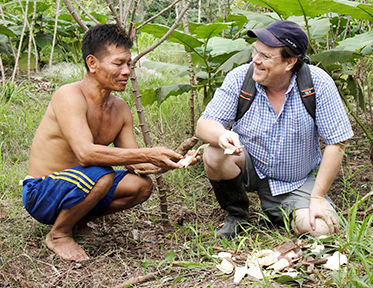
column 280, row 140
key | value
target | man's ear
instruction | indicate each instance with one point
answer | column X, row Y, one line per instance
column 291, row 62
column 92, row 63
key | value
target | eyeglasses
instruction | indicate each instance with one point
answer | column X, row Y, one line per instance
column 263, row 56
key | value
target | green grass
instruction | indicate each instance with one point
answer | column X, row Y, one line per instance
column 185, row 256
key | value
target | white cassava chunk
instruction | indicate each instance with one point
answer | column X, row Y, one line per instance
column 280, row 265
column 223, row 255
column 239, row 273
column 225, row 266
column 256, row 272
column 335, row 261
column 189, row 158
column 263, row 257
column 230, row 151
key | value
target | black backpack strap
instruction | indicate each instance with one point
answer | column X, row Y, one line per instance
column 306, row 90
column 247, row 94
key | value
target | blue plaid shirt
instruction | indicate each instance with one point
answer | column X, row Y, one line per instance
column 284, row 147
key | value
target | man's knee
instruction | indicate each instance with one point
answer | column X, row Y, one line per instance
column 301, row 225
column 103, row 185
column 146, row 188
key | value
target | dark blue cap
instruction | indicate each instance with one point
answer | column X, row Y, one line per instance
column 283, row 33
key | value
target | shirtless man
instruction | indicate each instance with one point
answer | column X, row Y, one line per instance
column 70, row 180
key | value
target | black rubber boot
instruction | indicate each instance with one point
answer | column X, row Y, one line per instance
column 232, row 197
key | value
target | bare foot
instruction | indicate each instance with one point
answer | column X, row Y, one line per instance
column 66, row 248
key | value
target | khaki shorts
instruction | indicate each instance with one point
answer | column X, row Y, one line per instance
column 276, row 206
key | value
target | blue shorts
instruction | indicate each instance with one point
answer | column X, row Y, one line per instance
column 45, row 197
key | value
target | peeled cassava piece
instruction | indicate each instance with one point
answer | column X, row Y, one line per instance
column 189, row 158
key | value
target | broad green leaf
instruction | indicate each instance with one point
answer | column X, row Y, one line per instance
column 237, row 59
column 162, row 93
column 6, row 31
column 235, row 20
column 22, row 64
column 43, row 39
column 345, row 7
column 192, row 27
column 99, row 17
column 319, row 28
column 357, row 43
column 4, row 47
column 161, row 66
column 158, row 30
column 210, row 30
column 221, row 45
column 255, row 20
column 330, row 57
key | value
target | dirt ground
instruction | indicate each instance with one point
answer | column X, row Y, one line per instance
column 125, row 242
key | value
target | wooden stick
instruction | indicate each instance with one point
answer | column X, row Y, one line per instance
column 124, row 20
column 115, row 15
column 54, row 33
column 75, row 15
column 2, row 72
column 20, row 42
column 30, row 41
column 131, row 30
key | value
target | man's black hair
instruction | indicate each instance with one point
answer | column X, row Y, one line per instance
column 97, row 38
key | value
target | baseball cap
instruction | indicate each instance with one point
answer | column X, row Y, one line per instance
column 283, row 33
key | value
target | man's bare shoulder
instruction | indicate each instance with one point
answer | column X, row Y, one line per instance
column 71, row 91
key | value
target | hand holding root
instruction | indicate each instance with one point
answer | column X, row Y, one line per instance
column 183, row 149
column 192, row 157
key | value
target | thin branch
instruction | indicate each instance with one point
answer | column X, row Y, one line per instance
column 124, row 20
column 20, row 42
column 160, row 13
column 131, row 30
column 115, row 15
column 165, row 36
column 86, row 12
column 75, row 15
column 2, row 72
column 30, row 41
column 55, row 33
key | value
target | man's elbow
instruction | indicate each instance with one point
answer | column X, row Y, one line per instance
column 85, row 158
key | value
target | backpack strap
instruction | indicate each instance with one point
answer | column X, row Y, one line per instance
column 305, row 87
column 247, row 94
column 306, row 90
